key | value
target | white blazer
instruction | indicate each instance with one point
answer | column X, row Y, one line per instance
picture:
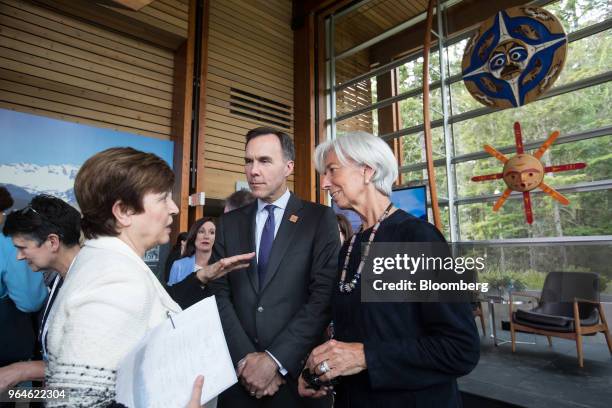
column 109, row 300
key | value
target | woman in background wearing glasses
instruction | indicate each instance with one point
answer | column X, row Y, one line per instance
column 46, row 235
column 21, row 292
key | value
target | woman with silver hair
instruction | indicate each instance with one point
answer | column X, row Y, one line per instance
column 401, row 354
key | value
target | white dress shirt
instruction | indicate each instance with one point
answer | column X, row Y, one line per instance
column 262, row 216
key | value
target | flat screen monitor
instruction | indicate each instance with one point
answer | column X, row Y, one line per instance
column 413, row 200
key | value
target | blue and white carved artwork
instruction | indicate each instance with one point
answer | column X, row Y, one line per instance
column 515, row 56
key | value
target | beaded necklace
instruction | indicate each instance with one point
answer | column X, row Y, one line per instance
column 348, row 287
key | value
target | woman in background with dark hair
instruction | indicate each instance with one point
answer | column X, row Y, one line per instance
column 22, row 292
column 198, row 248
column 344, row 226
column 46, row 234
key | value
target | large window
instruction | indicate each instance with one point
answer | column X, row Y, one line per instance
column 363, row 89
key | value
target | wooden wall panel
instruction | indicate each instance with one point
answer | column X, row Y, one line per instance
column 249, row 84
column 305, row 108
column 355, row 96
column 63, row 67
column 181, row 124
column 149, row 23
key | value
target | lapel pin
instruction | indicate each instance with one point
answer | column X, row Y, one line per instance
column 293, row 218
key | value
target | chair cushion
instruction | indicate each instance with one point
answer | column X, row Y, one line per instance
column 537, row 319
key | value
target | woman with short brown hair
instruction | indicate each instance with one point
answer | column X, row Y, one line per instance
column 123, row 175
column 110, row 297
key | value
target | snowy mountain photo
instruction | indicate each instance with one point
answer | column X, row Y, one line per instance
column 56, row 180
column 31, row 165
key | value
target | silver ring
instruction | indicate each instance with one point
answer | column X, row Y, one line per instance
column 324, row 367
column 252, row 392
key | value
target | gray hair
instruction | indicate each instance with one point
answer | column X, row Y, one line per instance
column 364, row 149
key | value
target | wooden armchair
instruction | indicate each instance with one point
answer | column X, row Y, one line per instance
column 558, row 317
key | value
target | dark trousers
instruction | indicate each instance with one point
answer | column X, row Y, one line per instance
column 18, row 334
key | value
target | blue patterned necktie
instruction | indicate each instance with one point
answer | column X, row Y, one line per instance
column 265, row 244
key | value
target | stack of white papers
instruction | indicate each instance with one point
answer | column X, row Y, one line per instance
column 162, row 368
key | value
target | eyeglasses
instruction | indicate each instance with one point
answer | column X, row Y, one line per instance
column 29, row 209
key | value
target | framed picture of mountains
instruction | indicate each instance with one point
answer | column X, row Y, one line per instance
column 43, row 155
column 40, row 155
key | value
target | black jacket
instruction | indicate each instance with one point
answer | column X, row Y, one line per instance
column 288, row 315
column 414, row 351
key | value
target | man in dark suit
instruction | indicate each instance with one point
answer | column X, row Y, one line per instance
column 274, row 311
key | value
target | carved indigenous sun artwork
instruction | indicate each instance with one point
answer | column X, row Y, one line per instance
column 525, row 172
column 515, row 56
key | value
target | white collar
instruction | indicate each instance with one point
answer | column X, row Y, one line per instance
column 70, row 267
column 281, row 202
column 115, row 244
